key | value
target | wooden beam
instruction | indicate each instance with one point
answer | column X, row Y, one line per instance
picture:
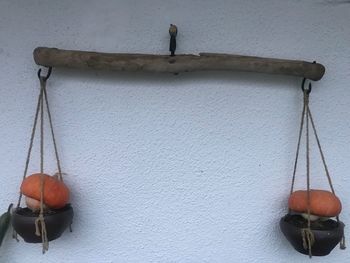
column 53, row 57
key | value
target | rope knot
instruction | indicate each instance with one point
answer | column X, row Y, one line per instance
column 40, row 230
column 308, row 239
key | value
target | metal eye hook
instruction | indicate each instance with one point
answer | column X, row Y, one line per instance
column 45, row 78
column 303, row 86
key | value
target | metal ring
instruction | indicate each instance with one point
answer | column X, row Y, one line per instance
column 303, row 86
column 45, row 78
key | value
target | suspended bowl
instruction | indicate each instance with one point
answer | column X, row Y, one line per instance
column 56, row 221
column 327, row 234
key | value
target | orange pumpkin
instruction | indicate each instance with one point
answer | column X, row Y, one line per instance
column 322, row 203
column 56, row 193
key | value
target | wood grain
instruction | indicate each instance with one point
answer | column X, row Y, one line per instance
column 53, row 57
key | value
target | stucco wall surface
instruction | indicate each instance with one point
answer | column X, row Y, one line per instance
column 163, row 168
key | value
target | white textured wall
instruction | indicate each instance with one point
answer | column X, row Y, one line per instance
column 164, row 168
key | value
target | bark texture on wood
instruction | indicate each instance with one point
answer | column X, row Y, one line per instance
column 53, row 57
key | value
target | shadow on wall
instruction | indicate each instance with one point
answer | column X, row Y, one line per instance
column 172, row 80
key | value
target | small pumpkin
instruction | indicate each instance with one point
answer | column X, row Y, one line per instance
column 322, row 203
column 56, row 193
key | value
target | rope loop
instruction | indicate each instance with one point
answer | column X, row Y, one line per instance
column 40, row 230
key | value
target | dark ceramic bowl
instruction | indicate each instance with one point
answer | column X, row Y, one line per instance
column 327, row 234
column 57, row 221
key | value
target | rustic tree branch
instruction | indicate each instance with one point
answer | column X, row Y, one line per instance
column 54, row 57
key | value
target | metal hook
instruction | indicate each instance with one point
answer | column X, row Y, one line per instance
column 45, row 78
column 303, row 86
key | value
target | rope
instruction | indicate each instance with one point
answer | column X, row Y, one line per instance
column 308, row 239
column 41, row 220
column 342, row 242
column 31, row 142
column 53, row 135
column 38, row 106
column 40, row 225
column 42, row 83
column 308, row 233
column 298, row 149
column 321, row 153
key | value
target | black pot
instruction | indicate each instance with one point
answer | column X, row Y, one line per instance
column 56, row 221
column 327, row 234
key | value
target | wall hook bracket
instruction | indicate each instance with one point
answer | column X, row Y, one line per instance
column 173, row 34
